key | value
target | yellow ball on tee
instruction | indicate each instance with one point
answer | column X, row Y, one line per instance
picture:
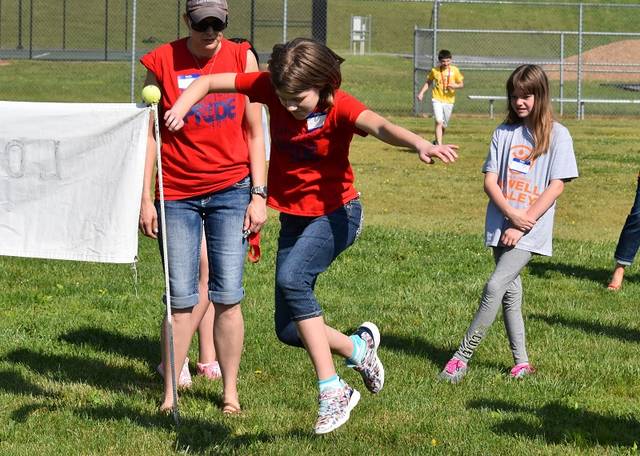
column 151, row 94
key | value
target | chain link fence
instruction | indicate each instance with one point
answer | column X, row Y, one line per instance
column 593, row 62
column 590, row 51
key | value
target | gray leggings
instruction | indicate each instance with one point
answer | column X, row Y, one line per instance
column 504, row 286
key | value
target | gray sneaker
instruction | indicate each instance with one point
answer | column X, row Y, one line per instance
column 371, row 368
column 454, row 371
column 335, row 407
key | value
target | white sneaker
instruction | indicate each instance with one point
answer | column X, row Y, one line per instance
column 335, row 407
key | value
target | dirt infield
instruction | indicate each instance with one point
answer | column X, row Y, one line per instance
column 620, row 52
column 4, row 63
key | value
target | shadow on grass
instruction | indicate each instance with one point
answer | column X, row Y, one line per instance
column 560, row 424
column 15, row 383
column 597, row 275
column 141, row 347
column 418, row 347
column 80, row 369
column 197, row 435
column 613, row 331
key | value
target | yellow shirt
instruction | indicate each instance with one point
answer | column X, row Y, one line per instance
column 440, row 82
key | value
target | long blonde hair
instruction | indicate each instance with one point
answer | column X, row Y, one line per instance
column 532, row 80
column 303, row 64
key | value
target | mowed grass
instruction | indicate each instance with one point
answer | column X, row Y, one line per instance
column 79, row 341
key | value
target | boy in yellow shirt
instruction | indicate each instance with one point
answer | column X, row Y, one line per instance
column 445, row 78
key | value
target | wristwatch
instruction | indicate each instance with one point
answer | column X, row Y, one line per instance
column 259, row 190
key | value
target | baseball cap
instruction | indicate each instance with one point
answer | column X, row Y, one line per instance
column 202, row 9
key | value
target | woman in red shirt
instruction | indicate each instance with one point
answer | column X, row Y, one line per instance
column 214, row 176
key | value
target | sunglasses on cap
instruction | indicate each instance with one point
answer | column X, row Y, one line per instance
column 216, row 24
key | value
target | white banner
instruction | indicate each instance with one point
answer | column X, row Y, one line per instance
column 71, row 180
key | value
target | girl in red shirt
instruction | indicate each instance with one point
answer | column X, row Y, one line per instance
column 310, row 180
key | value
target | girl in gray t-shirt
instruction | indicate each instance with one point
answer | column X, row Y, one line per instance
column 530, row 159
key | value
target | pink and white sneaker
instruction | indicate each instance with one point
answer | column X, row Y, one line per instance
column 522, row 370
column 209, row 370
column 184, row 381
column 454, row 371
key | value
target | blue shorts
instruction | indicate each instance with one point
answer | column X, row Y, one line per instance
column 222, row 214
column 306, row 247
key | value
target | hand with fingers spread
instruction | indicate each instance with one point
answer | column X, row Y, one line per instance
column 447, row 153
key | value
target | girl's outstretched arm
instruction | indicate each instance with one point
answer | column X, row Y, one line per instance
column 396, row 135
column 223, row 82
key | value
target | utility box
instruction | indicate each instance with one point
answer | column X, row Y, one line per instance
column 361, row 34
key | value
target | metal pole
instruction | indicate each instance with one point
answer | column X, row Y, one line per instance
column 579, row 81
column 0, row 23
column 19, row 24
column 126, row 25
column 30, row 29
column 64, row 24
column 134, row 9
column 106, row 27
column 319, row 20
column 177, row 19
column 561, row 74
column 434, row 53
column 415, row 69
column 252, row 26
column 284, row 21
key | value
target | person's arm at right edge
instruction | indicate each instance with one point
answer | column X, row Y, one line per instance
column 518, row 217
column 148, row 221
column 223, row 82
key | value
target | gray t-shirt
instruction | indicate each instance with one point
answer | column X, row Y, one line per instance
column 523, row 181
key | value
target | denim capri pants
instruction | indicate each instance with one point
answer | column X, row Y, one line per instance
column 222, row 214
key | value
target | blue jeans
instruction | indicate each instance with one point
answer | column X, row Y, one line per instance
column 306, row 247
column 223, row 216
column 630, row 236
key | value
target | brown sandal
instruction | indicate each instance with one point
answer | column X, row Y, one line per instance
column 231, row 409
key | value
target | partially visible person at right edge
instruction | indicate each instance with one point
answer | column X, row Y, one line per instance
column 530, row 159
column 628, row 243
column 214, row 178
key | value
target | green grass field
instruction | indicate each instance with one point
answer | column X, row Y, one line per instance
column 79, row 341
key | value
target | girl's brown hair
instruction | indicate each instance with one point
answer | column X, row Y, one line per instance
column 532, row 80
column 302, row 64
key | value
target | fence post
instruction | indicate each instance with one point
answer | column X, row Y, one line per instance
column 252, row 22
column 134, row 8
column 106, row 28
column 561, row 74
column 19, row 25
column 415, row 69
column 126, row 25
column 64, row 24
column 30, row 29
column 177, row 19
column 579, row 76
column 434, row 53
column 319, row 21
column 284, row 20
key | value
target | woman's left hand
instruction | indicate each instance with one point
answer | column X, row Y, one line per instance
column 256, row 215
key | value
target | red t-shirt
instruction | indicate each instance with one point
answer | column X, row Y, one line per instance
column 210, row 153
column 309, row 171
